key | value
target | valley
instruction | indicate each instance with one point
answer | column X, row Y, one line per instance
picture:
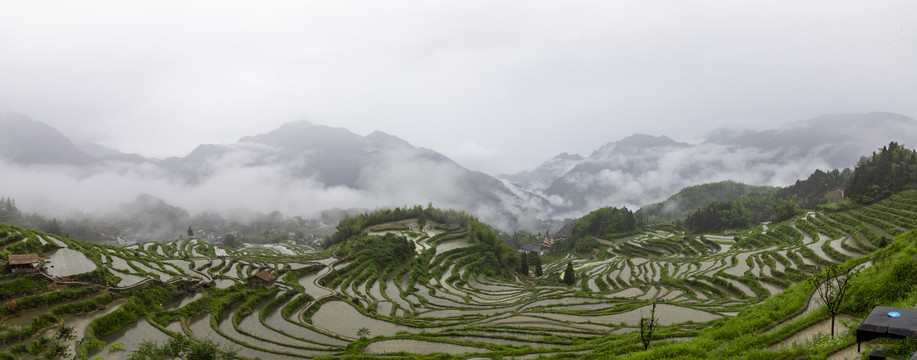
column 214, row 180
column 441, row 299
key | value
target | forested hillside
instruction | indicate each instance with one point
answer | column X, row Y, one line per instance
column 892, row 169
column 8, row 210
column 496, row 257
column 605, row 223
column 692, row 198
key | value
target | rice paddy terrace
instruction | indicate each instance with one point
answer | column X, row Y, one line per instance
column 326, row 304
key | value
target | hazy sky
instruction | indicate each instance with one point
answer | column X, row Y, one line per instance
column 497, row 85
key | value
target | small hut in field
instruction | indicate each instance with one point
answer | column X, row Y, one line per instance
column 23, row 263
column 262, row 278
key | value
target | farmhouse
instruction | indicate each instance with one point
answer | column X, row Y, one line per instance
column 23, row 263
column 262, row 278
column 549, row 241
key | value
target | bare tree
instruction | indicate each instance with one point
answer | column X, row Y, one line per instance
column 831, row 286
column 647, row 327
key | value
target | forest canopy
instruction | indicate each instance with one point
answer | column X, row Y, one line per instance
column 604, row 223
column 891, row 170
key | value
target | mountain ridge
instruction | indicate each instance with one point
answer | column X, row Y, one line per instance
column 368, row 171
column 642, row 169
column 331, row 164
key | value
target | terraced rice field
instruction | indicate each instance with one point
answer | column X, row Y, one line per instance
column 320, row 304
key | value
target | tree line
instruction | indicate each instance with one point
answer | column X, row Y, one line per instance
column 891, row 170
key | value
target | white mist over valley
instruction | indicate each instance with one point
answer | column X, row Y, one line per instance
column 302, row 169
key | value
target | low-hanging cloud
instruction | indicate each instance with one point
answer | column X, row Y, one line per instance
column 251, row 178
column 635, row 180
column 60, row 190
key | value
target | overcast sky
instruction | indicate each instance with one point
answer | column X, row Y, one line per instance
column 499, row 86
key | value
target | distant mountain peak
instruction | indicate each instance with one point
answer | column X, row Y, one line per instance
column 636, row 142
column 568, row 156
column 302, row 135
column 385, row 140
column 646, row 140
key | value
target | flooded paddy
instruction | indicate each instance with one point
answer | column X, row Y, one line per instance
column 67, row 262
column 309, row 283
column 223, row 283
column 162, row 276
column 628, row 293
column 816, row 247
column 80, row 322
column 297, row 330
column 181, row 303
column 184, row 266
column 120, row 264
column 836, row 245
column 418, row 347
column 200, row 328
column 445, row 303
column 226, row 326
column 342, row 319
column 451, row 245
column 252, row 326
column 131, row 336
column 128, row 279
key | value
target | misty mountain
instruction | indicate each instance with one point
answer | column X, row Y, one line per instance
column 379, row 164
column 302, row 169
column 603, row 178
column 150, row 218
column 542, row 176
column 839, row 139
column 299, row 168
column 95, row 150
column 25, row 141
column 643, row 169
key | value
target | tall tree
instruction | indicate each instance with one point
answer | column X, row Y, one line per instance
column 569, row 275
column 524, row 260
column 230, row 241
column 190, row 232
column 421, row 220
column 647, row 327
column 831, row 286
column 535, row 260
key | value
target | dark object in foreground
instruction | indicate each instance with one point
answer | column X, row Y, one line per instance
column 877, row 354
column 880, row 324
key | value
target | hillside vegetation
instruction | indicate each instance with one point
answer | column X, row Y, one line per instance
column 691, row 198
column 605, row 223
column 439, row 290
column 892, row 169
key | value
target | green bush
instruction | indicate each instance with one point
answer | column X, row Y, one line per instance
column 893, row 276
column 22, row 285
